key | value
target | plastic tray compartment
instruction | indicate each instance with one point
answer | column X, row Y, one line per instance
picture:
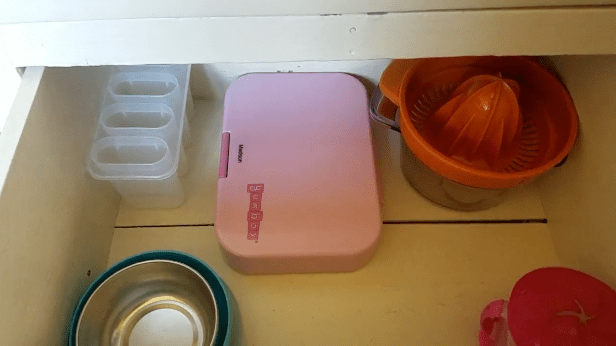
column 141, row 169
column 144, row 87
column 140, row 119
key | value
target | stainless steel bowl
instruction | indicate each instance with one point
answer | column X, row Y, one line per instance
column 443, row 191
column 156, row 302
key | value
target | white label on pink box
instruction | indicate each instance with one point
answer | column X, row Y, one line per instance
column 255, row 215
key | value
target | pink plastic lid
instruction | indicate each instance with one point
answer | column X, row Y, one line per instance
column 562, row 307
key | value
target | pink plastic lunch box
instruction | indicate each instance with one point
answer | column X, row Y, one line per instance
column 297, row 188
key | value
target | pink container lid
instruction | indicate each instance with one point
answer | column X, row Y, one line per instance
column 552, row 306
column 297, row 190
column 562, row 307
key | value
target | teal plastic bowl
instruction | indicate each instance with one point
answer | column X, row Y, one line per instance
column 228, row 313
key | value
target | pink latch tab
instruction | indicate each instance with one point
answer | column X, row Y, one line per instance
column 223, row 168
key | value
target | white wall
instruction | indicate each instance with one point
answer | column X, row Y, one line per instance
column 579, row 198
column 56, row 222
column 9, row 82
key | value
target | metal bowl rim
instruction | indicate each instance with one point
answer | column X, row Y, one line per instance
column 85, row 306
column 224, row 296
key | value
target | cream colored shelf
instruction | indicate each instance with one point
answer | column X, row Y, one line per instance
column 384, row 33
column 426, row 285
column 400, row 201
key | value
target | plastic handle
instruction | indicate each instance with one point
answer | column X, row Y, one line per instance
column 223, row 167
column 383, row 109
column 393, row 78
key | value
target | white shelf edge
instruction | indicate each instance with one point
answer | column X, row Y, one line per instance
column 532, row 31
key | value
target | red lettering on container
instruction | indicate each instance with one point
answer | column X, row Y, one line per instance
column 255, row 215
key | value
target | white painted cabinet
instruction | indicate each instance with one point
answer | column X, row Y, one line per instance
column 33, row 11
column 434, row 270
column 82, row 33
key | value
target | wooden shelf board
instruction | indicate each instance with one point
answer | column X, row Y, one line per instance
column 426, row 285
